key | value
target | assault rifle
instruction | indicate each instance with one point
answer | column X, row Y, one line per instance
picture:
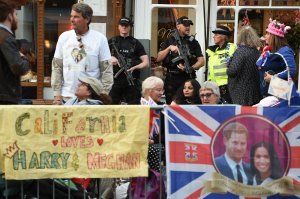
column 123, row 65
column 183, row 55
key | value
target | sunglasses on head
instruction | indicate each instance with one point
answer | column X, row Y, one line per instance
column 78, row 37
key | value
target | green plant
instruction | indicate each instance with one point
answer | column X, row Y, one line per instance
column 293, row 37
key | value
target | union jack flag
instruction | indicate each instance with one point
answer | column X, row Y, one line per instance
column 154, row 123
column 190, row 132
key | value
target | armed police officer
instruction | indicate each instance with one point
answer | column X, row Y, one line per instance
column 182, row 55
column 219, row 56
column 128, row 58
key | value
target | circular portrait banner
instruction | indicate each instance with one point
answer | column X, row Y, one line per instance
column 231, row 151
column 255, row 145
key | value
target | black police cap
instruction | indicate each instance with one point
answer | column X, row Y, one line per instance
column 184, row 20
column 223, row 30
column 125, row 21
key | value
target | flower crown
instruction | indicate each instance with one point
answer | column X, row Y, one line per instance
column 276, row 28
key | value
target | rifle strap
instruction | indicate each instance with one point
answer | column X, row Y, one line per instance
column 113, row 42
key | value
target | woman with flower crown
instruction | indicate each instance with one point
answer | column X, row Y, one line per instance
column 276, row 56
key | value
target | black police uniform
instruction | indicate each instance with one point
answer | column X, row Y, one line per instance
column 132, row 50
column 176, row 77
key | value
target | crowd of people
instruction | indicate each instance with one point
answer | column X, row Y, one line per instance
column 88, row 69
column 242, row 71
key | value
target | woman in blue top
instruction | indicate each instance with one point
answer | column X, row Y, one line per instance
column 276, row 56
column 90, row 92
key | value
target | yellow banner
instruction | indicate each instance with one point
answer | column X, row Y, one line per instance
column 222, row 184
column 74, row 141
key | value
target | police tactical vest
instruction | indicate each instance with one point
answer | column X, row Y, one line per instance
column 130, row 44
column 217, row 63
column 127, row 48
column 189, row 44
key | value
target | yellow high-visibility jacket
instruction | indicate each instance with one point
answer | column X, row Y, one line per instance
column 217, row 62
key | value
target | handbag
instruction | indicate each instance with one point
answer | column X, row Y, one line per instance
column 280, row 88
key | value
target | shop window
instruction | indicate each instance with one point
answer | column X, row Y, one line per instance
column 226, row 2
column 254, row 2
column 189, row 2
column 163, row 25
column 164, row 22
column 259, row 19
column 243, row 2
column 286, row 3
column 57, row 15
column 225, row 17
column 254, row 18
column 26, row 41
column 225, row 14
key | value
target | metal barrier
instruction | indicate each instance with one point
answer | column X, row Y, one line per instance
column 64, row 188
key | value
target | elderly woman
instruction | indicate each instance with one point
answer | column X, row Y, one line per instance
column 152, row 91
column 210, row 93
column 89, row 92
column 243, row 75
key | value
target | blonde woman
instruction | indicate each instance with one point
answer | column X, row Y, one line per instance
column 243, row 75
